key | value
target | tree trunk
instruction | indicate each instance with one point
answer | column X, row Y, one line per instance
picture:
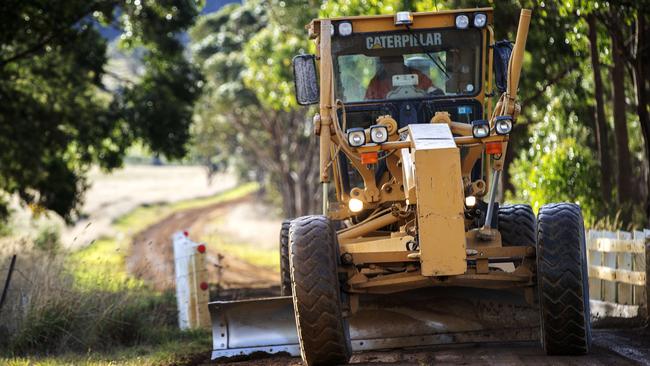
column 642, row 101
column 601, row 131
column 625, row 181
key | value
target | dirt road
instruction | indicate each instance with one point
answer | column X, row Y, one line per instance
column 113, row 195
column 151, row 256
column 610, row 348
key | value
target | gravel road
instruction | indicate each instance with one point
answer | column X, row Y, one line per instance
column 115, row 194
column 611, row 348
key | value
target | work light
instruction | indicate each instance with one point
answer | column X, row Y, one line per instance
column 345, row 29
column 503, row 125
column 462, row 21
column 480, row 20
column 480, row 128
column 356, row 137
column 403, row 18
column 378, row 134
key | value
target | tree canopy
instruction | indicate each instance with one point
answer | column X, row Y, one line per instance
column 57, row 115
column 571, row 142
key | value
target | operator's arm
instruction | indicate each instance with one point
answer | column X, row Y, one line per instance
column 374, row 90
column 424, row 83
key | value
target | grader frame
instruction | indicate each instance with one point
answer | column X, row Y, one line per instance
column 445, row 245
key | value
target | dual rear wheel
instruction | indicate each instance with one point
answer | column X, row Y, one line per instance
column 562, row 277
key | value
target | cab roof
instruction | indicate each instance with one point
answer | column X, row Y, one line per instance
column 379, row 23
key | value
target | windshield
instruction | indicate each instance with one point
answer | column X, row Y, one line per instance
column 407, row 64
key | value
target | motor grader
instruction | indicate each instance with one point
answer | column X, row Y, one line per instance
column 412, row 247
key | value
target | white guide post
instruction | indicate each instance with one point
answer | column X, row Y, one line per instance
column 192, row 293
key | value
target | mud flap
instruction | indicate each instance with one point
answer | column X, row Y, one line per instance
column 415, row 318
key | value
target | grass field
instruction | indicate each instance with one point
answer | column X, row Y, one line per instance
column 87, row 310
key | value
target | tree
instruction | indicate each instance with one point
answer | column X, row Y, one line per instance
column 249, row 109
column 601, row 125
column 57, row 118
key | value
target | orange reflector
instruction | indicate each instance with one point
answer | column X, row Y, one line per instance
column 493, row 148
column 369, row 157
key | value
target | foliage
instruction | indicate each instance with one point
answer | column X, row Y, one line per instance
column 57, row 116
column 248, row 108
column 48, row 237
column 556, row 173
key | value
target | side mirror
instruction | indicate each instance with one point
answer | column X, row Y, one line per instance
column 306, row 79
column 502, row 52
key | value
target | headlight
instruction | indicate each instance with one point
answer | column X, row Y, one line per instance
column 480, row 128
column 345, row 29
column 378, row 134
column 462, row 21
column 480, row 20
column 356, row 137
column 355, row 205
column 503, row 125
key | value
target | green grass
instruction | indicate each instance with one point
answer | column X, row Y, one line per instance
column 102, row 265
column 269, row 258
column 180, row 349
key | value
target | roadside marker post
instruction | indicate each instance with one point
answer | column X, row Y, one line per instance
column 191, row 277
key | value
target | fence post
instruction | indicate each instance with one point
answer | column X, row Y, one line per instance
column 192, row 293
column 647, row 279
column 8, row 280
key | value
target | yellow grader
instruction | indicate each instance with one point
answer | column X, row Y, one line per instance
column 413, row 248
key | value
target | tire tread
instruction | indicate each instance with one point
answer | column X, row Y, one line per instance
column 562, row 280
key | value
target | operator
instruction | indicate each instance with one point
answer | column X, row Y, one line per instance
column 382, row 83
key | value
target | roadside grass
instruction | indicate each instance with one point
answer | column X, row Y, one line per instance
column 180, row 348
column 262, row 257
column 83, row 307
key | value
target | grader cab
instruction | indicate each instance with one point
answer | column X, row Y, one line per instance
column 412, row 247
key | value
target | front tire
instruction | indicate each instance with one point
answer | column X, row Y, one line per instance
column 285, row 270
column 322, row 330
column 563, row 280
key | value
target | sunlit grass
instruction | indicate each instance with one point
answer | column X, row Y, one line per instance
column 178, row 349
column 101, row 265
column 262, row 257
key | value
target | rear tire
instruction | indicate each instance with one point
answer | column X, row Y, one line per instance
column 322, row 330
column 517, row 225
column 285, row 270
column 563, row 280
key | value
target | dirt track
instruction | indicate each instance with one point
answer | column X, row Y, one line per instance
column 151, row 257
column 610, row 348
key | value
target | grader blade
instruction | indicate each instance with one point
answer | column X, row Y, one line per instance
column 410, row 319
